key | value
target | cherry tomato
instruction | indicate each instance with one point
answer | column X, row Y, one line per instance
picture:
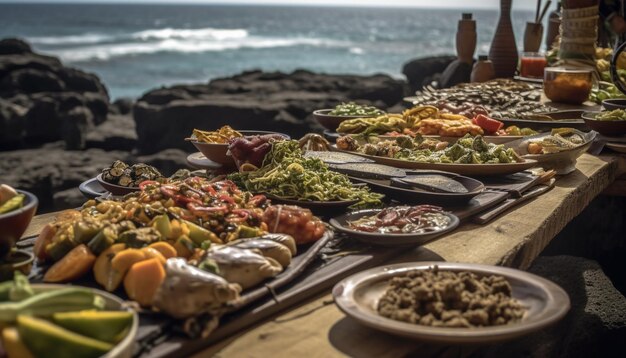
column 488, row 124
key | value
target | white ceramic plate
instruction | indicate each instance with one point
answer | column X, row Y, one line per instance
column 358, row 295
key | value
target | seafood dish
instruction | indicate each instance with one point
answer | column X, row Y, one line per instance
column 314, row 142
column 220, row 136
column 10, row 199
column 286, row 173
column 500, row 98
column 419, row 219
column 208, row 240
column 440, row 298
column 467, row 150
column 432, row 182
column 122, row 174
column 560, row 139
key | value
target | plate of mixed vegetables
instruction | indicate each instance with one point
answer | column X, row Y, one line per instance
column 186, row 247
column 468, row 156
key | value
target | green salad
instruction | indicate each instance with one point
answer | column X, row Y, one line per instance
column 353, row 109
column 287, row 174
column 614, row 115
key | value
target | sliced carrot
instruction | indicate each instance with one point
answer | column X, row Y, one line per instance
column 72, row 266
column 143, row 280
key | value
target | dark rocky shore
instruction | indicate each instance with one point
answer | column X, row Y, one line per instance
column 58, row 126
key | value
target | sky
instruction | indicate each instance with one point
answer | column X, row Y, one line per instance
column 520, row 4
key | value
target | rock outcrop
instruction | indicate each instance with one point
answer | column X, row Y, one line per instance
column 253, row 100
column 54, row 174
column 422, row 71
column 43, row 101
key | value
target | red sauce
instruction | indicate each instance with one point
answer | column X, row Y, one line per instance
column 532, row 66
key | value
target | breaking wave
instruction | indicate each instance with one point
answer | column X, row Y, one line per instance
column 105, row 47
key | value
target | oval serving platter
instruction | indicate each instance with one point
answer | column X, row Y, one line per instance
column 358, row 295
column 315, row 206
column 340, row 223
column 395, row 189
column 92, row 189
column 463, row 169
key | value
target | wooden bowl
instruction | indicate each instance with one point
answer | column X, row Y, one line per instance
column 114, row 188
column 331, row 122
column 14, row 223
column 216, row 152
column 607, row 128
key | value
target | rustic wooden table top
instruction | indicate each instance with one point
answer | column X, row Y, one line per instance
column 316, row 328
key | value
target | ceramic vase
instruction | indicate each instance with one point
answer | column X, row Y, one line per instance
column 466, row 39
column 503, row 52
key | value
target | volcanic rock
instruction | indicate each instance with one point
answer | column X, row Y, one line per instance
column 13, row 46
column 253, row 100
column 42, row 101
column 422, row 71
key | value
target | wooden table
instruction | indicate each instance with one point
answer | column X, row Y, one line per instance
column 317, row 328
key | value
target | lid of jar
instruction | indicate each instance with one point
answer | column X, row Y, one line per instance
column 569, row 69
column 466, row 16
column 483, row 57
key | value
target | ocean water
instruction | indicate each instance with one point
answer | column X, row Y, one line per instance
column 134, row 48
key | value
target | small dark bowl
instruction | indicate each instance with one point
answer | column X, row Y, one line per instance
column 16, row 260
column 216, row 152
column 607, row 128
column 614, row 103
column 13, row 224
column 331, row 122
column 116, row 189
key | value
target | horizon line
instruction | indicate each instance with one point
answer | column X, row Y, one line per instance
column 248, row 3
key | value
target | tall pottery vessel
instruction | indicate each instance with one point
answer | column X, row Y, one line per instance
column 503, row 52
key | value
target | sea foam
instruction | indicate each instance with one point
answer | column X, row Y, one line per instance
column 100, row 47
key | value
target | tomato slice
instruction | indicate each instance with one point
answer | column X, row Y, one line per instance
column 488, row 124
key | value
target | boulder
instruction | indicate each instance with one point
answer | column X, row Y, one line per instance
column 122, row 106
column 68, row 199
column 54, row 173
column 116, row 133
column 54, row 102
column 167, row 161
column 51, row 169
column 421, row 72
column 456, row 72
column 253, row 100
column 11, row 124
column 13, row 46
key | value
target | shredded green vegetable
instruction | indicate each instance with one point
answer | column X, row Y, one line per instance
column 287, row 174
column 467, row 150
